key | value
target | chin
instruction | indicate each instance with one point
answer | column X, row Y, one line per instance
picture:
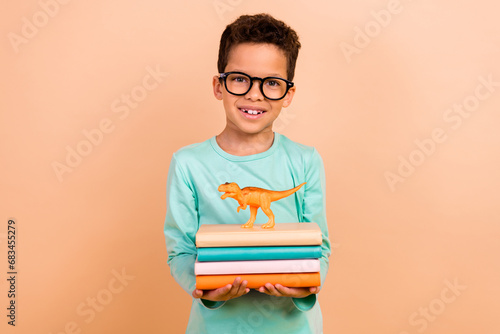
column 251, row 130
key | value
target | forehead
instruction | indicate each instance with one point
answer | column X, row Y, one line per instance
column 257, row 59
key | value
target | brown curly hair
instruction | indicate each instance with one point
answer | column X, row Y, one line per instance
column 260, row 28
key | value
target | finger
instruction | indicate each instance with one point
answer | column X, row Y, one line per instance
column 224, row 290
column 242, row 289
column 283, row 290
column 272, row 290
column 262, row 289
column 235, row 286
column 218, row 294
column 293, row 292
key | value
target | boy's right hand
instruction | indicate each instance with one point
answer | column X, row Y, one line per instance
column 227, row 292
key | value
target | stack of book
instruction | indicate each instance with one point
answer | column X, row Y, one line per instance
column 287, row 254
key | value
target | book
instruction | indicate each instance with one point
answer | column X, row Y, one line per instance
column 258, row 253
column 209, row 282
column 257, row 267
column 282, row 234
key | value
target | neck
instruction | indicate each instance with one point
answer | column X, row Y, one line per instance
column 245, row 144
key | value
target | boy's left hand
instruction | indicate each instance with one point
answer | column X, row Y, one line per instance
column 279, row 290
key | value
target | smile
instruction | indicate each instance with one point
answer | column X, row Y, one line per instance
column 252, row 112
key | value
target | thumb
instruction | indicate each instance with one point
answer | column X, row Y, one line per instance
column 197, row 293
column 314, row 289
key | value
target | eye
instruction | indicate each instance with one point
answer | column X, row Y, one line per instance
column 273, row 83
column 238, row 78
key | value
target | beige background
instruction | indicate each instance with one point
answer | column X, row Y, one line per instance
column 364, row 101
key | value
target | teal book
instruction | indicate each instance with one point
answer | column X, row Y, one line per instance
column 258, row 253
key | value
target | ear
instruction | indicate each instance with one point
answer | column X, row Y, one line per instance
column 217, row 87
column 287, row 100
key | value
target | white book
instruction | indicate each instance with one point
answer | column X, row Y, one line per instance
column 257, row 267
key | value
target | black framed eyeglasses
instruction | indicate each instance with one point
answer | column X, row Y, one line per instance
column 239, row 83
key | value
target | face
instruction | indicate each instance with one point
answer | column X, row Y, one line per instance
column 256, row 60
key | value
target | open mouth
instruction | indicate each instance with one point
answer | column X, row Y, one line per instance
column 227, row 194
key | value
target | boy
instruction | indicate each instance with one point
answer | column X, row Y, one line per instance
column 256, row 54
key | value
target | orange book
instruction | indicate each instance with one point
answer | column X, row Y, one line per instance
column 209, row 282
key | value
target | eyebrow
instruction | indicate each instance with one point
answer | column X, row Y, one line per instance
column 268, row 75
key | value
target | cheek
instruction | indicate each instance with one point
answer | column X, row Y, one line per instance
column 278, row 105
column 229, row 100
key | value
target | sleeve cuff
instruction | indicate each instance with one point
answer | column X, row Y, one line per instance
column 306, row 303
column 211, row 304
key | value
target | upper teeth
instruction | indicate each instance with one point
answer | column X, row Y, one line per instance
column 252, row 112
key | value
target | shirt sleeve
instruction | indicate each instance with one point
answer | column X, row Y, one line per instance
column 314, row 210
column 181, row 225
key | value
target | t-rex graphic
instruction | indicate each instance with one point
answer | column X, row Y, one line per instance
column 256, row 198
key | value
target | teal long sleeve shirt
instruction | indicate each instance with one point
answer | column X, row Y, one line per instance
column 194, row 175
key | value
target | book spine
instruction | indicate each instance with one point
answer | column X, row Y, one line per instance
column 257, row 267
column 299, row 238
column 209, row 282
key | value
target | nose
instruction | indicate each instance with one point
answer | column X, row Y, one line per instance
column 254, row 93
